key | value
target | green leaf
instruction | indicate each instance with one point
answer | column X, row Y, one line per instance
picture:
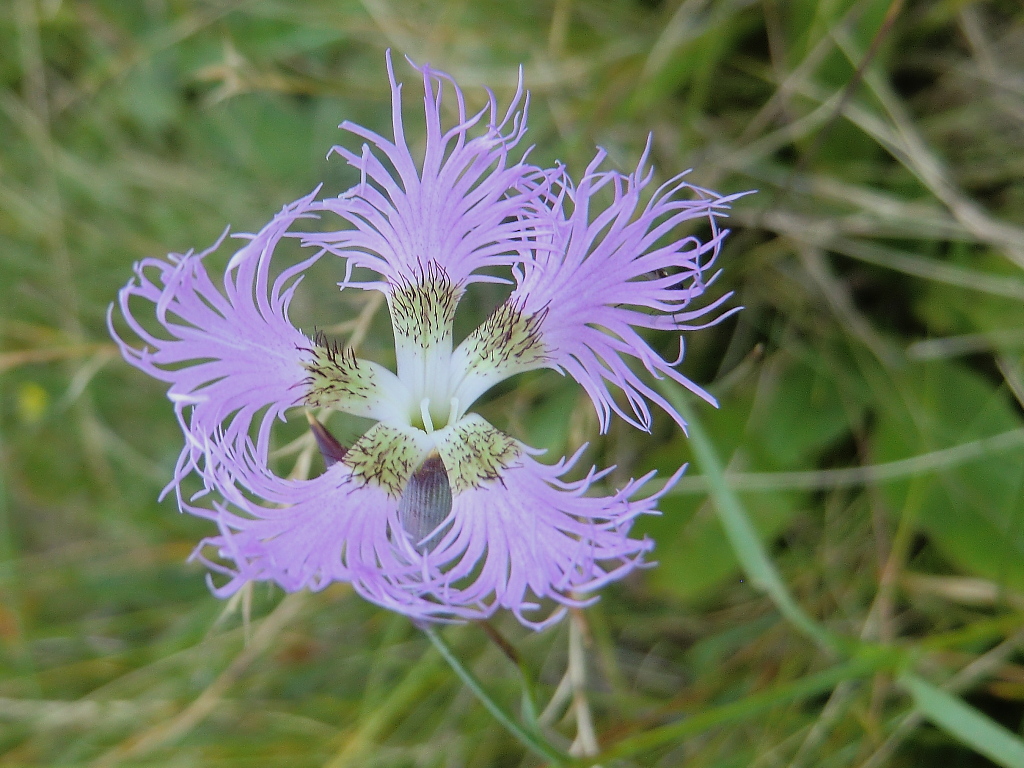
column 782, row 426
column 972, row 511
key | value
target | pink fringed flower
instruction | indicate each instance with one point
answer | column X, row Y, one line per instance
column 433, row 512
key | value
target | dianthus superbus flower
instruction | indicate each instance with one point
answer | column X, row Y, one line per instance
column 433, row 512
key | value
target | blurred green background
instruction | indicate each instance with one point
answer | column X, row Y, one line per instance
column 871, row 390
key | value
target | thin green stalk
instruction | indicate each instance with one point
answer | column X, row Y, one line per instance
column 528, row 705
column 738, row 528
column 529, row 701
column 530, row 740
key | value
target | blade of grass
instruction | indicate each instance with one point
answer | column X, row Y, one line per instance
column 206, row 703
column 376, row 722
column 810, row 685
column 968, row 677
column 868, row 474
column 964, row 723
column 738, row 528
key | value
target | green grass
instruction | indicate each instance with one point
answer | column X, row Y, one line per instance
column 841, row 572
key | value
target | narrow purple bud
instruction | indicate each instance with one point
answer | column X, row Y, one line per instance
column 330, row 448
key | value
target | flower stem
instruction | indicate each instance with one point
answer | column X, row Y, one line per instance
column 530, row 740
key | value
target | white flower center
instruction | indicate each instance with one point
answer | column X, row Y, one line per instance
column 422, row 408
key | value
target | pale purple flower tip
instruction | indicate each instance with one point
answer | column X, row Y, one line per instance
column 460, row 206
column 243, row 355
column 433, row 512
column 604, row 273
column 507, row 544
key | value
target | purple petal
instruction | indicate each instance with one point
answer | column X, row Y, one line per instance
column 607, row 272
column 524, row 537
column 529, row 535
column 460, row 208
column 228, row 353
